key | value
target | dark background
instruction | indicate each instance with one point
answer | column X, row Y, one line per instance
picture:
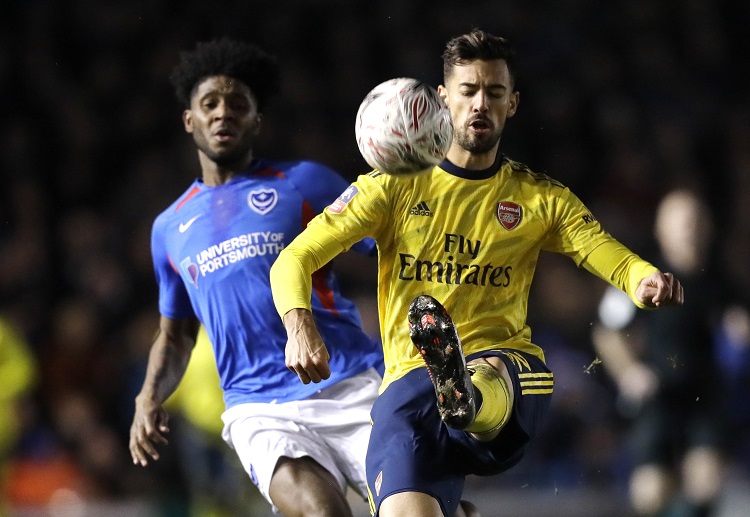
column 620, row 100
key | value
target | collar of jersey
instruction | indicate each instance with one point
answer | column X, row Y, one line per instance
column 256, row 165
column 473, row 174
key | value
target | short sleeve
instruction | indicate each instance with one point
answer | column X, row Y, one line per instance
column 174, row 302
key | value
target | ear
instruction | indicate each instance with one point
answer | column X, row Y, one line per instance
column 515, row 98
column 187, row 120
column 443, row 92
column 258, row 123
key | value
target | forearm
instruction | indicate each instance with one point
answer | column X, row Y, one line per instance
column 620, row 267
column 613, row 350
column 167, row 362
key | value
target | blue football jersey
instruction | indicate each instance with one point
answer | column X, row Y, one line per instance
column 212, row 251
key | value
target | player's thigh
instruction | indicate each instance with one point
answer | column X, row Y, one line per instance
column 262, row 442
column 340, row 415
column 301, row 486
column 413, row 504
column 417, row 504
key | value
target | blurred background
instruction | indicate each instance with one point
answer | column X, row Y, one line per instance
column 622, row 101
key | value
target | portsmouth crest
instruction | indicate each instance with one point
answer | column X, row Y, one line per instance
column 509, row 214
column 262, row 201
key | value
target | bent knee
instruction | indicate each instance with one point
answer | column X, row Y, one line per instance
column 651, row 487
column 702, row 473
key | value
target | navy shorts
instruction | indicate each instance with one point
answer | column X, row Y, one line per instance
column 412, row 450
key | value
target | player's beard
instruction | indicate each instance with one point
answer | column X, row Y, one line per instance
column 477, row 145
column 231, row 157
column 228, row 157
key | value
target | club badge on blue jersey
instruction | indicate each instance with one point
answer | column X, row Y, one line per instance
column 262, row 201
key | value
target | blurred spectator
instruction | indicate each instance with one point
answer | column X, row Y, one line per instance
column 19, row 375
column 733, row 355
column 663, row 364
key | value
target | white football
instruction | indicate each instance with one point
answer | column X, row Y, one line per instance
column 403, row 126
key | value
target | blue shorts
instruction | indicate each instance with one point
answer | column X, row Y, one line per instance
column 412, row 450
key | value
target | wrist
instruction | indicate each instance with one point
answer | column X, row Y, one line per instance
column 296, row 317
column 146, row 397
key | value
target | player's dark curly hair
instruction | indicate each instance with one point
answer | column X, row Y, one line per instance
column 481, row 45
column 242, row 61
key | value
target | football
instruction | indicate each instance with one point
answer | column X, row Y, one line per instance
column 403, row 126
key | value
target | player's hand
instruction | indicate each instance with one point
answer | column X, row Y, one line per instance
column 660, row 289
column 305, row 354
column 148, row 430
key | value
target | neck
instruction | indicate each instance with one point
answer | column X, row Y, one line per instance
column 472, row 161
column 218, row 174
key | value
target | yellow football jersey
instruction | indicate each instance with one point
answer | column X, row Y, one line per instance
column 473, row 244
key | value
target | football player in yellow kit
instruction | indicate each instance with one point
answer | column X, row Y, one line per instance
column 467, row 232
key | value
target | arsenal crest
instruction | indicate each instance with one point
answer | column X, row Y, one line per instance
column 509, row 214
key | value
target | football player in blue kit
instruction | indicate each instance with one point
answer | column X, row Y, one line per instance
column 301, row 444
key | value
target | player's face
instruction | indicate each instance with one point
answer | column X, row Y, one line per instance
column 480, row 97
column 224, row 120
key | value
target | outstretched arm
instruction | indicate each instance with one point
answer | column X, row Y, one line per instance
column 645, row 285
column 167, row 362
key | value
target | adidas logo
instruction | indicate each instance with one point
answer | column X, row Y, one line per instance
column 421, row 209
